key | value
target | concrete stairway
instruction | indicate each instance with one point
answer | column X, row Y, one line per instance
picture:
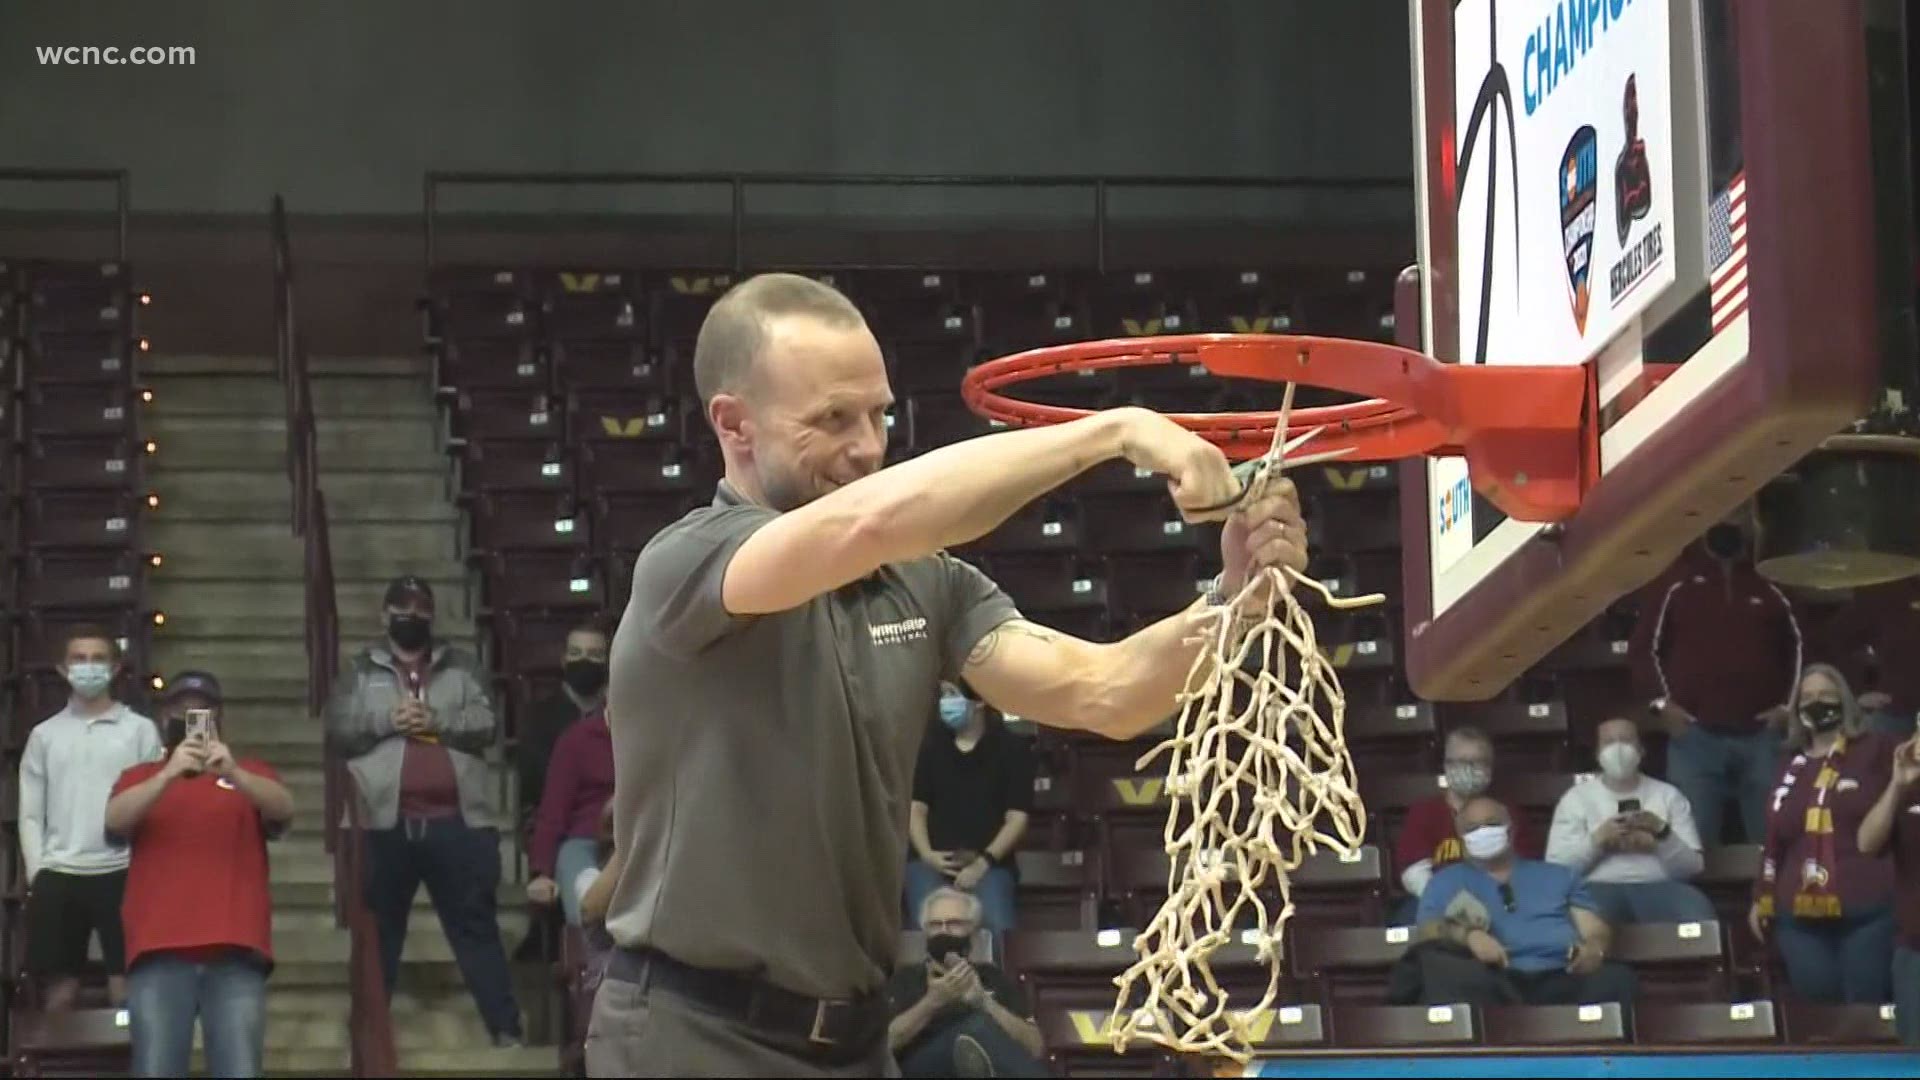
column 231, row 587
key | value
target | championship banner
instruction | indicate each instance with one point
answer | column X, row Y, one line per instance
column 1565, row 152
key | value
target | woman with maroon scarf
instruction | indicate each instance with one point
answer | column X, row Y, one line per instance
column 1830, row 903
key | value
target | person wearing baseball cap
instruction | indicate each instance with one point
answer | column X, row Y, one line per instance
column 414, row 717
column 197, row 823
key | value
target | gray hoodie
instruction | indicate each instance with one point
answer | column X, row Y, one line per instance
column 360, row 726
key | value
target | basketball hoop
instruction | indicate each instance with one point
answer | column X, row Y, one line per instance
column 1529, row 433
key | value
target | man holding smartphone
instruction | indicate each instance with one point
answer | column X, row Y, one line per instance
column 197, row 824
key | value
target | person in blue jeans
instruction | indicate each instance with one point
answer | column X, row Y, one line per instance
column 198, row 909
column 972, row 793
column 1894, row 821
column 1828, row 900
column 1716, row 651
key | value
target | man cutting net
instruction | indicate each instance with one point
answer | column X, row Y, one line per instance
column 780, row 655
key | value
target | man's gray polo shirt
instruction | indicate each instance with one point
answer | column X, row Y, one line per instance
column 765, row 763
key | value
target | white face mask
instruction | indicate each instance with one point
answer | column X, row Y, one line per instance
column 89, row 679
column 1619, row 760
column 1486, row 842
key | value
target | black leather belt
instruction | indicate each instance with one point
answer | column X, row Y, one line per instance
column 824, row 1028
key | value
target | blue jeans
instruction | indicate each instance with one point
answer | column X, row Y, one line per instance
column 576, row 853
column 1839, row 961
column 1651, row 902
column 461, row 868
column 932, row 1054
column 995, row 892
column 1906, row 994
column 166, row 993
column 1712, row 768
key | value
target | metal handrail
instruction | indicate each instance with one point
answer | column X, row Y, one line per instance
column 737, row 183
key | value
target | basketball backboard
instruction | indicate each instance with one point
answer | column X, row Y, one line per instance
column 1676, row 194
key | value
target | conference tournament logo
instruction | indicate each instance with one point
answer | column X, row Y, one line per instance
column 1632, row 201
column 1579, row 183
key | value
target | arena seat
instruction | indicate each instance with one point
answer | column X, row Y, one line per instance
column 1403, row 1025
column 1078, row 1045
column 643, row 465
column 1043, row 526
column 78, row 410
column 495, row 467
column 517, row 581
column 70, row 581
column 1125, row 523
column 491, row 364
column 1348, row 964
column 528, row 522
column 631, row 519
column 1727, row 878
column 1749, row 1023
column 622, row 414
column 592, row 305
column 679, row 301
column 1392, row 737
column 531, row 644
column 1059, row 890
column 83, row 519
column 1026, row 310
column 93, row 464
column 938, row 418
column 607, row 365
column 1554, row 1025
column 494, row 414
column 1245, row 301
column 469, row 303
column 1674, row 961
column 1050, row 962
column 1530, row 735
column 1803, row 1023
column 1151, row 587
column 1331, row 889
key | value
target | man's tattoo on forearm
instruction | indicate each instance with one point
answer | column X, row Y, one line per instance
column 992, row 641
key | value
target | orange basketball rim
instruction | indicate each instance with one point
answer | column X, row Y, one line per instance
column 1530, row 433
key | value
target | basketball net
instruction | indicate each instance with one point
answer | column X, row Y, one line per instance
column 1258, row 778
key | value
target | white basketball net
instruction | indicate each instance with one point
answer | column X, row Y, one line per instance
column 1258, row 778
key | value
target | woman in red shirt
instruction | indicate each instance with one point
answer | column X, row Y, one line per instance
column 1896, row 817
column 1829, row 901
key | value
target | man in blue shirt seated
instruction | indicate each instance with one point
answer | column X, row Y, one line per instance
column 1530, row 924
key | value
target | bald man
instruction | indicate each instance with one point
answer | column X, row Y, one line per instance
column 1532, row 925
column 780, row 654
column 1630, row 837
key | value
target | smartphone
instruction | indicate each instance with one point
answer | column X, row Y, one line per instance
column 200, row 724
column 1629, row 806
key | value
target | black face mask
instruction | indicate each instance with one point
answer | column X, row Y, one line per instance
column 1726, row 541
column 944, row 947
column 584, row 677
column 410, row 632
column 1822, row 716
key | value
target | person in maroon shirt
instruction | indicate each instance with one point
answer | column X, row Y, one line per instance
column 1896, row 816
column 414, row 718
column 1428, row 840
column 1829, row 901
column 566, row 829
column 1715, row 653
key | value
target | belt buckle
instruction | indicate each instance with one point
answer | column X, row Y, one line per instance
column 818, row 1034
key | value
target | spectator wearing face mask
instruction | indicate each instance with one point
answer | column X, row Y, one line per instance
column 952, row 1015
column 1716, row 651
column 75, row 877
column 567, row 827
column 1631, row 837
column 583, row 689
column 1894, row 821
column 1829, row 902
column 1428, row 841
column 972, row 793
column 199, row 912
column 414, row 719
column 1532, row 926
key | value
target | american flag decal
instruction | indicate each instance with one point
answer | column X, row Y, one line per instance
column 1727, row 251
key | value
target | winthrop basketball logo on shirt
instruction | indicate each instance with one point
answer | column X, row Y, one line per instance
column 899, row 633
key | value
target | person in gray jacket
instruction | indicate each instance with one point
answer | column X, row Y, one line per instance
column 413, row 716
